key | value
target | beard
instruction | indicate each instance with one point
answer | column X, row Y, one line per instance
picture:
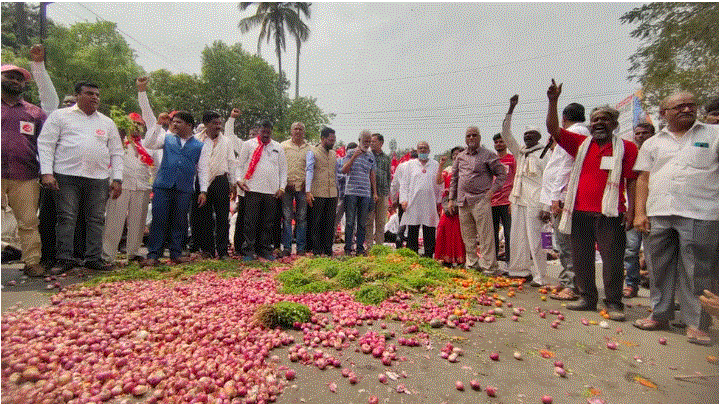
column 601, row 135
column 12, row 89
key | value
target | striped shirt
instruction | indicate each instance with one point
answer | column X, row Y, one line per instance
column 358, row 179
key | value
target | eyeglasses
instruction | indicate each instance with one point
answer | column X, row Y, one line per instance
column 472, row 135
column 681, row 107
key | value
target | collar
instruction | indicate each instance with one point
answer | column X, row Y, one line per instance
column 469, row 152
column 696, row 126
column 533, row 148
column 75, row 108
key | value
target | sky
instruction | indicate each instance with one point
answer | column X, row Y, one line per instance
column 410, row 71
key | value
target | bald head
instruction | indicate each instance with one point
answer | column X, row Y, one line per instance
column 679, row 111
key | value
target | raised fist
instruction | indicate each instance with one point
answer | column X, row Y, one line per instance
column 235, row 113
column 142, row 84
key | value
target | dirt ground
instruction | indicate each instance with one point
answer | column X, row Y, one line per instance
column 640, row 370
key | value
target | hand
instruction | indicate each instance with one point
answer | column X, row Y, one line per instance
column 115, row 189
column 357, row 152
column 514, row 100
column 404, row 206
column 279, row 193
column 310, row 198
column 37, row 53
column 641, row 223
column 443, row 160
column 375, row 197
column 451, row 208
column 163, row 119
column 201, row 199
column 243, row 185
column 554, row 91
column 233, row 192
column 557, row 208
column 48, row 181
column 235, row 113
column 544, row 216
column 628, row 220
column 142, row 84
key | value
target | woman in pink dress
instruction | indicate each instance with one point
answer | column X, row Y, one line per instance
column 449, row 248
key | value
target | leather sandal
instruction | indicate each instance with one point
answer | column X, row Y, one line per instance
column 650, row 324
column 564, row 294
column 630, row 291
column 698, row 337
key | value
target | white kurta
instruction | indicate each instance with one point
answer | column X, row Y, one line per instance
column 418, row 187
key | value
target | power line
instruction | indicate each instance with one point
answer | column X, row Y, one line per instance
column 471, row 69
column 131, row 37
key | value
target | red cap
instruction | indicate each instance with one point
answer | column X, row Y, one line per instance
column 136, row 118
column 9, row 68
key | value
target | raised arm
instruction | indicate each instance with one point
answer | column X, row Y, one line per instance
column 49, row 99
column 506, row 134
column 552, row 117
column 147, row 115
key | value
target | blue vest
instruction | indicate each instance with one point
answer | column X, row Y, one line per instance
column 179, row 164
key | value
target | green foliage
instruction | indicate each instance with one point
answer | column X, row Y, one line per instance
column 679, row 50
column 287, row 313
column 406, row 252
column 379, row 250
column 305, row 110
column 12, row 38
column 371, row 294
column 181, row 92
column 349, row 277
column 299, row 281
column 135, row 273
column 124, row 124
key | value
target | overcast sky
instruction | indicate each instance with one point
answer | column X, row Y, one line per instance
column 411, row 71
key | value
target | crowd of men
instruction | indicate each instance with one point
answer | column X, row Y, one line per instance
column 69, row 174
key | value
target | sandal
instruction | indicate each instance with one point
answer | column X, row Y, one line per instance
column 649, row 324
column 564, row 294
column 698, row 337
column 630, row 291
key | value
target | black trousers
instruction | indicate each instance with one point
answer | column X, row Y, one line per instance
column 501, row 213
column 276, row 235
column 213, row 228
column 609, row 235
column 48, row 220
column 322, row 225
column 260, row 211
column 239, row 238
column 399, row 240
column 413, row 239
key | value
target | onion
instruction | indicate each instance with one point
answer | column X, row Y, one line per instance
column 474, row 383
column 494, row 356
column 459, row 385
column 491, row 391
column 546, row 399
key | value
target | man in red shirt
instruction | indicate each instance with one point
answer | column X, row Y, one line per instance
column 500, row 199
column 595, row 205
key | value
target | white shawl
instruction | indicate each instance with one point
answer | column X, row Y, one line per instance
column 610, row 197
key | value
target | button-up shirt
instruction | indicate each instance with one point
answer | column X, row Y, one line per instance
column 222, row 157
column 558, row 170
column 21, row 125
column 358, row 179
column 271, row 171
column 136, row 175
column 383, row 173
column 296, row 163
column 683, row 172
column 473, row 175
column 74, row 143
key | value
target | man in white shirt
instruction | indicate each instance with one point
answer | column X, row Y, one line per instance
column 394, row 197
column 419, row 194
column 554, row 191
column 678, row 211
column 528, row 259
column 262, row 174
column 237, row 231
column 213, row 234
column 76, row 147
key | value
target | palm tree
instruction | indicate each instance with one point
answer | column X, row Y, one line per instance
column 301, row 32
column 272, row 18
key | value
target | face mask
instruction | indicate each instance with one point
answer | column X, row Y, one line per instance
column 423, row 156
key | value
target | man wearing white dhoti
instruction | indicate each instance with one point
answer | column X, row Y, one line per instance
column 419, row 194
column 528, row 258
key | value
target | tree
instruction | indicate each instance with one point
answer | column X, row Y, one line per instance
column 305, row 110
column 181, row 92
column 12, row 37
column 679, row 50
column 272, row 18
column 301, row 32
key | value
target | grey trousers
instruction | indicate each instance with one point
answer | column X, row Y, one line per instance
column 564, row 242
column 684, row 256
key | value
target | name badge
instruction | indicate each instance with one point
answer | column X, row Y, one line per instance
column 607, row 163
column 27, row 128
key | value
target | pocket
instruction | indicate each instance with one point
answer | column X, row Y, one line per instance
column 701, row 157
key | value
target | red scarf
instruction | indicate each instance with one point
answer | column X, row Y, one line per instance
column 255, row 158
column 144, row 155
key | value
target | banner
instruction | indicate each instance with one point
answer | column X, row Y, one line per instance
column 631, row 113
